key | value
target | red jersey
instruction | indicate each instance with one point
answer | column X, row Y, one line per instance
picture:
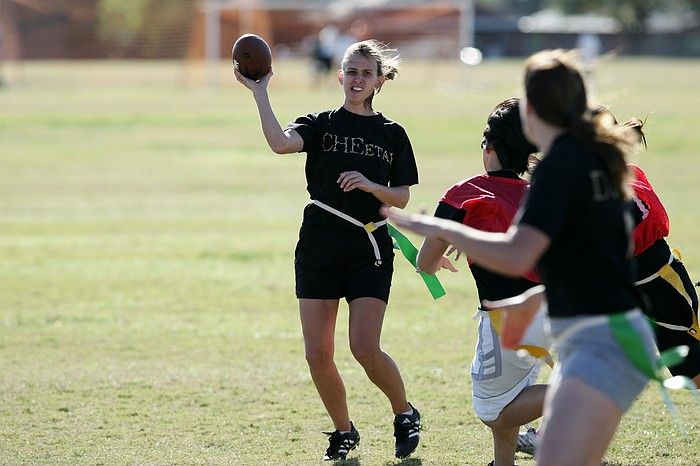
column 655, row 223
column 490, row 203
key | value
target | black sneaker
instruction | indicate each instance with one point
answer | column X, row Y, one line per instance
column 341, row 443
column 407, row 433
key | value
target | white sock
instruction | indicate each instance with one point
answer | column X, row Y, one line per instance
column 409, row 412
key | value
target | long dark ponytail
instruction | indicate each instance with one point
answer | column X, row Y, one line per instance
column 555, row 88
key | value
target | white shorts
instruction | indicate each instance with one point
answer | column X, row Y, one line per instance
column 499, row 374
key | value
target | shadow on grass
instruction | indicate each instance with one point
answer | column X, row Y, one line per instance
column 406, row 462
column 357, row 462
column 350, row 462
column 619, row 464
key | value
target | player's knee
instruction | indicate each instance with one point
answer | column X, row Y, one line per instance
column 366, row 354
column 319, row 358
column 493, row 424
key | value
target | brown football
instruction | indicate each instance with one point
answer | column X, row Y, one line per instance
column 252, row 55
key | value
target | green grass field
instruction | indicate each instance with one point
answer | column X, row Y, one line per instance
column 147, row 310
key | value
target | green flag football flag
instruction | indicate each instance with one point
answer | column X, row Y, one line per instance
column 653, row 367
column 410, row 252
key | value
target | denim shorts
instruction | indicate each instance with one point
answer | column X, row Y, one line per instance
column 593, row 355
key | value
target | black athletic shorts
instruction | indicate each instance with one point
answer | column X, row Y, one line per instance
column 669, row 306
column 333, row 264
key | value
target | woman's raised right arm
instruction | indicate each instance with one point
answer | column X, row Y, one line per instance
column 280, row 141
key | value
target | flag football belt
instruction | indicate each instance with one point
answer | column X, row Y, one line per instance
column 402, row 243
column 536, row 351
column 669, row 275
column 496, row 314
column 368, row 227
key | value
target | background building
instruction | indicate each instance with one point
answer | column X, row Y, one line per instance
column 76, row 29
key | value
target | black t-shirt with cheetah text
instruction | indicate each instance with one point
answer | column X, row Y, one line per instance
column 338, row 141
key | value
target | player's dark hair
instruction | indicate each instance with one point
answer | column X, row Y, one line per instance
column 555, row 88
column 387, row 59
column 635, row 124
column 504, row 133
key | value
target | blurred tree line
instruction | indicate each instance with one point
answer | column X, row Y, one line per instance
column 632, row 14
column 156, row 27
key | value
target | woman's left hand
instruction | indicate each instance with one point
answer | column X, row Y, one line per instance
column 452, row 249
column 355, row 180
column 446, row 264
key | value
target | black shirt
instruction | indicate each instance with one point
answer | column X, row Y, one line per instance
column 489, row 285
column 588, row 267
column 652, row 259
column 337, row 141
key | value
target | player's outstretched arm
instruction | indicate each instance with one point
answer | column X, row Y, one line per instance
column 512, row 254
column 279, row 140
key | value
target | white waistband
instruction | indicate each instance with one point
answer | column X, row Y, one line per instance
column 513, row 300
column 369, row 227
column 655, row 275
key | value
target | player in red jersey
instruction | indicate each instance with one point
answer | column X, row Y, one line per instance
column 661, row 276
column 504, row 393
